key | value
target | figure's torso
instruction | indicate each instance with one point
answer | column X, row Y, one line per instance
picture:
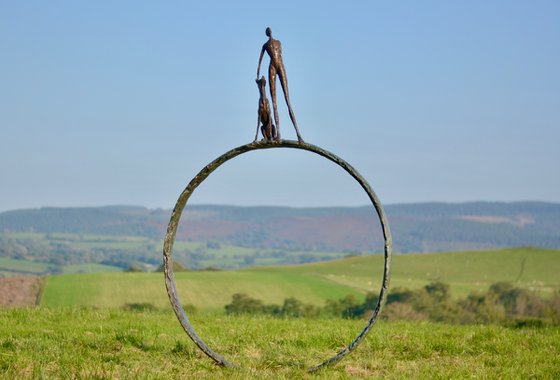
column 274, row 49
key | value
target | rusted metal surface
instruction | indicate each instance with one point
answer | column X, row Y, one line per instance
column 203, row 174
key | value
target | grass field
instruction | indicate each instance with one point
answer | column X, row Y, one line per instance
column 89, row 343
column 204, row 290
column 83, row 330
column 13, row 267
column 312, row 283
column 90, row 268
column 465, row 271
column 21, row 267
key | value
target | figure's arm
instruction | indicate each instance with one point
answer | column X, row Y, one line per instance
column 260, row 60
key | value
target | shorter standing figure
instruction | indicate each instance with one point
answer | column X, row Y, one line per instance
column 264, row 121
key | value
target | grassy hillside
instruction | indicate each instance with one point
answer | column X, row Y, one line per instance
column 312, row 283
column 464, row 271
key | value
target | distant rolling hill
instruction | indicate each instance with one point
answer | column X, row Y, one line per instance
column 424, row 227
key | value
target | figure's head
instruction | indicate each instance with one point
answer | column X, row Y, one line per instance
column 268, row 32
column 261, row 82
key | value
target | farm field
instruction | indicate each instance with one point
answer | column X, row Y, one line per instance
column 535, row 269
column 102, row 343
column 24, row 253
column 15, row 267
column 10, row 267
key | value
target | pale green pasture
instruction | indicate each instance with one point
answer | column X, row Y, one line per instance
column 204, row 290
column 312, row 283
column 90, row 268
column 537, row 269
column 22, row 266
column 26, row 267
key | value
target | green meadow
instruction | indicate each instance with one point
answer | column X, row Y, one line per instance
column 15, row 267
column 10, row 267
column 87, row 325
column 535, row 269
column 84, row 343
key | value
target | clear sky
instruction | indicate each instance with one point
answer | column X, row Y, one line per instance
column 123, row 102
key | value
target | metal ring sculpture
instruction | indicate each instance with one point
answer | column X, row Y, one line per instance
column 202, row 175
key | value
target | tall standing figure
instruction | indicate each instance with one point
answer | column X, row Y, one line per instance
column 276, row 67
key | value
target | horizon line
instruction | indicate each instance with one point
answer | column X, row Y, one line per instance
column 280, row 206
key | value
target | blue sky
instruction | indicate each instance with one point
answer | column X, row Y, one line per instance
column 124, row 102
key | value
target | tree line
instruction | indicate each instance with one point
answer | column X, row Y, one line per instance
column 502, row 303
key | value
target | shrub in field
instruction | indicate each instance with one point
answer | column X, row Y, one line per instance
column 347, row 307
column 243, row 304
column 553, row 307
column 516, row 301
column 481, row 308
column 402, row 311
column 148, row 307
column 503, row 303
column 292, row 307
column 400, row 295
column 134, row 268
column 143, row 306
column 431, row 302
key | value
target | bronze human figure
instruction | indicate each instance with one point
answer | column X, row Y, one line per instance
column 276, row 67
column 264, row 120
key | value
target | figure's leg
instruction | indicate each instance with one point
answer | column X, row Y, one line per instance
column 269, row 129
column 284, row 83
column 272, row 84
column 258, row 124
column 268, row 118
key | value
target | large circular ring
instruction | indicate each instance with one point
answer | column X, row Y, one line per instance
column 202, row 175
